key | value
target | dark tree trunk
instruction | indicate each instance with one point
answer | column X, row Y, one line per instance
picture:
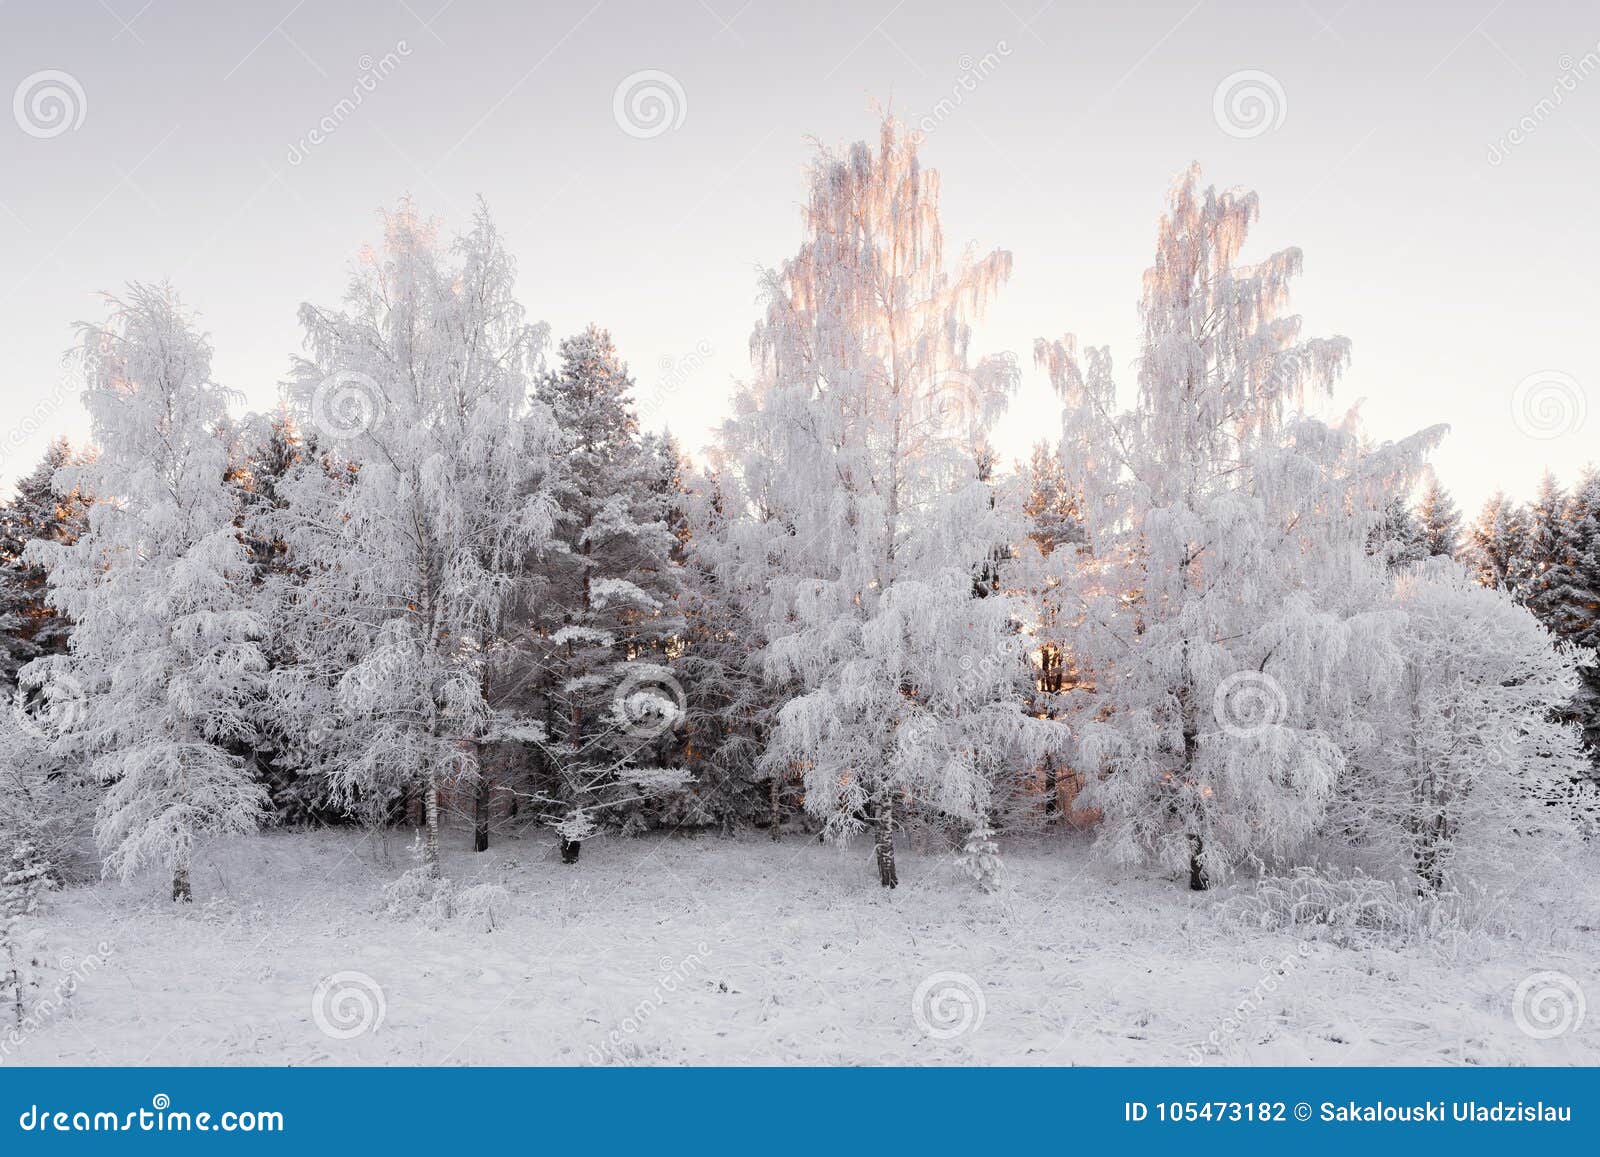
column 13, row 981
column 1198, row 880
column 180, row 887
column 570, row 850
column 1429, row 861
column 1052, row 788
column 883, row 825
column 480, row 813
column 777, row 808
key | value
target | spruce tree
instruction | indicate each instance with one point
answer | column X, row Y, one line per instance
column 1438, row 520
column 1544, row 550
column 1497, row 544
column 1568, row 600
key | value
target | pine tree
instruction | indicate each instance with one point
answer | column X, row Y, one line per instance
column 163, row 656
column 607, row 611
column 730, row 706
column 272, row 453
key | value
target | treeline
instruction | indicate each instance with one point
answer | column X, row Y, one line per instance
column 1544, row 554
column 449, row 576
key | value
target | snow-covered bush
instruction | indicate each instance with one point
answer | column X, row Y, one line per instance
column 1343, row 903
column 483, row 907
column 420, row 893
column 1472, row 771
column 46, row 799
column 24, row 879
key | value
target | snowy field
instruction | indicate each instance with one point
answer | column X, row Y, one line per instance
column 677, row 950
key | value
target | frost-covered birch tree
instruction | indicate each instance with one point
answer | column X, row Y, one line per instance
column 415, row 531
column 163, row 658
column 862, row 439
column 1232, row 617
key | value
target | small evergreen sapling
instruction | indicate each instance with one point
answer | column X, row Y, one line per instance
column 980, row 859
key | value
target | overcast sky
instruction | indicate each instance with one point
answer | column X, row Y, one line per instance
column 1437, row 162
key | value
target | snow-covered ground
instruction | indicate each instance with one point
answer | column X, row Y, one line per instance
column 706, row 950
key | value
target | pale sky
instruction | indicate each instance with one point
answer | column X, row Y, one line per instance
column 1459, row 261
